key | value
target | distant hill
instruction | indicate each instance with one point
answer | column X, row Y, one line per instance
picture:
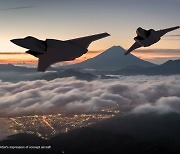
column 13, row 68
column 11, row 73
column 67, row 73
column 111, row 59
column 130, row 66
column 170, row 67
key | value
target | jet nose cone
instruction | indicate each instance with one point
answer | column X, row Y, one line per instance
column 108, row 34
column 16, row 41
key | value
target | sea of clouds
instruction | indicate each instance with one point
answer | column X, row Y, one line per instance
column 134, row 94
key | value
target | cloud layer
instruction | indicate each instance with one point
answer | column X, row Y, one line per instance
column 138, row 94
column 18, row 8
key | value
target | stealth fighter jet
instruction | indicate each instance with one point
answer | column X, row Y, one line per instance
column 52, row 51
column 146, row 38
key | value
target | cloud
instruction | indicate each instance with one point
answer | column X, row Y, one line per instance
column 172, row 37
column 162, row 105
column 156, row 52
column 158, row 56
column 178, row 35
column 19, row 8
column 12, row 53
column 130, row 94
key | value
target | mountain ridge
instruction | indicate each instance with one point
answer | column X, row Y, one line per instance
column 111, row 59
column 171, row 67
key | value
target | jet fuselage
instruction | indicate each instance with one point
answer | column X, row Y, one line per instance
column 52, row 51
column 147, row 40
column 62, row 51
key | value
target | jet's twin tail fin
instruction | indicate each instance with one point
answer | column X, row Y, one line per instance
column 31, row 43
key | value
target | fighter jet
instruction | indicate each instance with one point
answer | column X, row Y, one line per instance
column 146, row 38
column 52, row 51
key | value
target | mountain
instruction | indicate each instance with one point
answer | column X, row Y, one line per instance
column 111, row 59
column 13, row 68
column 67, row 73
column 170, row 67
column 121, row 65
column 11, row 73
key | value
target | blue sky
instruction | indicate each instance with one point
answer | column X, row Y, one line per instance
column 65, row 19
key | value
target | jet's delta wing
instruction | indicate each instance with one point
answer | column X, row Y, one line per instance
column 164, row 31
column 87, row 40
column 133, row 47
column 52, row 51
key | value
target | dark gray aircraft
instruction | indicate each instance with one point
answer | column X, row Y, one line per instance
column 146, row 38
column 52, row 51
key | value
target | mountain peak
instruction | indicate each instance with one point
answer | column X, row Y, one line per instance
column 116, row 47
column 172, row 63
column 112, row 59
column 112, row 53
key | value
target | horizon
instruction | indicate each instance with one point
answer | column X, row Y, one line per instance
column 156, row 56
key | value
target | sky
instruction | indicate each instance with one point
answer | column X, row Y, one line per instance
column 67, row 19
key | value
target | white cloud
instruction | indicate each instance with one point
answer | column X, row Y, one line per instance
column 162, row 105
column 139, row 94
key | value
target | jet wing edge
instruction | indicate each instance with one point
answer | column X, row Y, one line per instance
column 133, row 47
